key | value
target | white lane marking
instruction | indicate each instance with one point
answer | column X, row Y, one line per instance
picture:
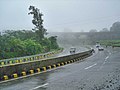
column 110, row 53
column 105, row 60
column 103, row 63
column 106, row 57
column 40, row 86
column 91, row 66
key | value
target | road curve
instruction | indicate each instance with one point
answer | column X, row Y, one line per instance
column 100, row 71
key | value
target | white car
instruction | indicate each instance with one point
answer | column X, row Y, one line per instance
column 72, row 50
column 101, row 49
column 97, row 45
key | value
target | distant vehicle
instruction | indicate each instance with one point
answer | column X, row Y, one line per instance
column 101, row 49
column 72, row 50
column 93, row 51
column 97, row 45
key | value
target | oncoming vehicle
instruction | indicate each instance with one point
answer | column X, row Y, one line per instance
column 97, row 45
column 72, row 50
column 101, row 49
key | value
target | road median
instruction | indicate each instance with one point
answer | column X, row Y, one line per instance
column 33, row 67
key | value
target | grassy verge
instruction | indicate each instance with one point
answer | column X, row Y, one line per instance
column 115, row 43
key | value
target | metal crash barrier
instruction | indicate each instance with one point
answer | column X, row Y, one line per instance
column 9, row 73
column 13, row 61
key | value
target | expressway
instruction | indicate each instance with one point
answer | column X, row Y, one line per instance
column 101, row 71
column 66, row 50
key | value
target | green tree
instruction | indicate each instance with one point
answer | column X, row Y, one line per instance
column 17, row 47
column 27, row 42
column 38, row 22
column 53, row 40
column 32, row 47
column 46, row 43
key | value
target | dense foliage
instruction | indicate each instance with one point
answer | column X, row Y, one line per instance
column 22, row 43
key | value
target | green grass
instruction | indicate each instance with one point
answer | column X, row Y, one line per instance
column 115, row 43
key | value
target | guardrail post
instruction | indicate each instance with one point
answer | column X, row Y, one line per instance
column 5, row 77
column 24, row 73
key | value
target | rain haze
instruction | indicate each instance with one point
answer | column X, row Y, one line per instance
column 60, row 15
column 60, row 45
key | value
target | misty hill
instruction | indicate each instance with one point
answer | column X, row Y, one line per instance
column 81, row 38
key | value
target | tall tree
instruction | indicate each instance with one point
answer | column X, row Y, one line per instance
column 38, row 22
column 115, row 27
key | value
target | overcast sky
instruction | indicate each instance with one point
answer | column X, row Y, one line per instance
column 60, row 15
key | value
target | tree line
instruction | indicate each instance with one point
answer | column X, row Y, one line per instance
column 27, row 42
column 23, row 43
column 114, row 28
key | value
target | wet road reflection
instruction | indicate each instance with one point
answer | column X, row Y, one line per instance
column 75, row 76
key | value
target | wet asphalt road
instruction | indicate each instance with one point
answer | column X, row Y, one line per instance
column 101, row 71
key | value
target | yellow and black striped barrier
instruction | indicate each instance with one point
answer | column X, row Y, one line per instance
column 5, row 77
column 58, row 64
column 65, row 62
column 44, row 69
column 49, row 67
column 24, row 73
column 15, row 75
column 2, row 63
column 69, row 62
column 54, row 66
column 62, row 63
column 33, row 70
column 38, row 70
column 27, row 58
